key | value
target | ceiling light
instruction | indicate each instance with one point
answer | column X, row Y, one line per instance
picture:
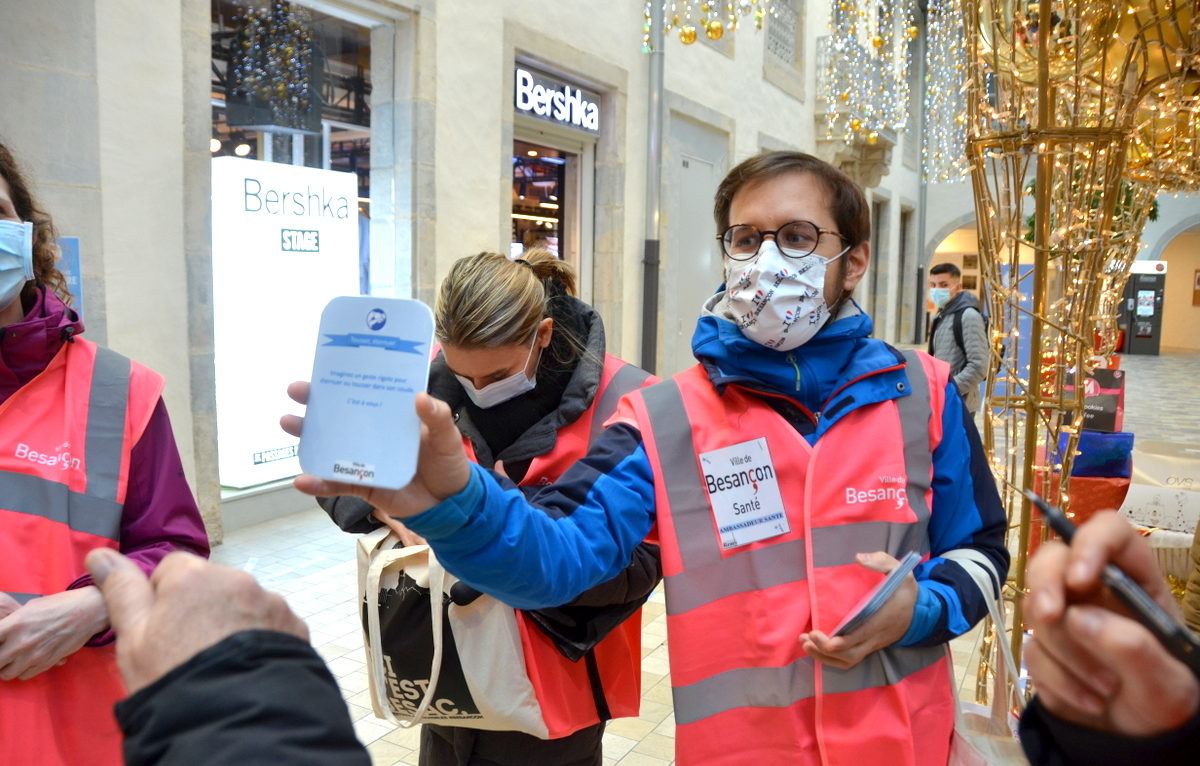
column 241, row 150
column 214, row 145
column 554, row 198
column 532, row 153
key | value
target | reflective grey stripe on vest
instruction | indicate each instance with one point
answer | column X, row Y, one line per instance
column 706, row 576
column 95, row 512
column 21, row 598
column 52, row 500
column 787, row 685
column 744, row 687
column 627, row 378
column 106, row 423
column 915, row 412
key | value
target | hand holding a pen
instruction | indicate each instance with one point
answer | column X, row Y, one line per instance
column 1091, row 662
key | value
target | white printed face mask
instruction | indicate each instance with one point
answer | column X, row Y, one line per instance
column 16, row 259
column 502, row 390
column 779, row 302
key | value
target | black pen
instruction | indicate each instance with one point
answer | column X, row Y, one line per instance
column 1182, row 643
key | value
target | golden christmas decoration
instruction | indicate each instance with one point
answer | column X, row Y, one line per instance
column 872, row 138
column 1078, row 114
column 715, row 19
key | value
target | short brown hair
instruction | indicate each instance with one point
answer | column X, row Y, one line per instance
column 45, row 249
column 847, row 202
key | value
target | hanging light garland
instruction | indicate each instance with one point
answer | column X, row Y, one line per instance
column 944, row 143
column 867, row 58
column 690, row 20
column 272, row 62
column 1095, row 101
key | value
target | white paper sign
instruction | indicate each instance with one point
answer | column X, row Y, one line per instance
column 284, row 241
column 372, row 358
column 743, row 492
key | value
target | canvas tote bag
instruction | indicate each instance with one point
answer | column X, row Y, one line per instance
column 432, row 660
column 986, row 736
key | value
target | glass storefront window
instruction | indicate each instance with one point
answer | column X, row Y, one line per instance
column 540, row 197
column 291, row 85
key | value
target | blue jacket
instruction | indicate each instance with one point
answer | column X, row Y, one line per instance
column 489, row 537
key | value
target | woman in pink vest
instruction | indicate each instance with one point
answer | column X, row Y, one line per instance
column 523, row 365
column 782, row 475
column 87, row 459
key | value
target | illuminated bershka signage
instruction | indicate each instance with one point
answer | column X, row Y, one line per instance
column 540, row 95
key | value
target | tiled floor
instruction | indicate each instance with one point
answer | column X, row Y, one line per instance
column 307, row 559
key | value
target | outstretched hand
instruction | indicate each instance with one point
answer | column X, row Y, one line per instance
column 442, row 468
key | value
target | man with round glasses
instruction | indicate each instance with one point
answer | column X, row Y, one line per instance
column 782, row 475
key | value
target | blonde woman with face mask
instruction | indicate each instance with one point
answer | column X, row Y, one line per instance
column 523, row 367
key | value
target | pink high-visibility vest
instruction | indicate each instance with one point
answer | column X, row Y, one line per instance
column 744, row 690
column 564, row 690
column 65, row 442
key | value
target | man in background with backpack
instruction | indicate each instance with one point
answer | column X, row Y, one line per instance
column 958, row 335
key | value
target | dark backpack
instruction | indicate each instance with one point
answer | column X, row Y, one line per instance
column 958, row 330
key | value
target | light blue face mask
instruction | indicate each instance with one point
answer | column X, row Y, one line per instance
column 16, row 259
column 939, row 295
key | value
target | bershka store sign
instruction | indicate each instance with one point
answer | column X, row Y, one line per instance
column 541, row 96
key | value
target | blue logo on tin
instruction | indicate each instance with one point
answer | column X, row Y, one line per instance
column 376, row 319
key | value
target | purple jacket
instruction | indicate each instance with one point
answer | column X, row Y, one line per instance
column 160, row 513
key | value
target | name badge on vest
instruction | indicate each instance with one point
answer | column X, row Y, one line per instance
column 744, row 493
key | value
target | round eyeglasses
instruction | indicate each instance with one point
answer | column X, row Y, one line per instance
column 795, row 240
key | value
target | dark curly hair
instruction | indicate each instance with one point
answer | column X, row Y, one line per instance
column 45, row 251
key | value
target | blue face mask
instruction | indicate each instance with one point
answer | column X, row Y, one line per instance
column 16, row 259
column 940, row 296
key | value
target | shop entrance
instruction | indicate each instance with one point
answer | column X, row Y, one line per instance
column 540, row 198
column 551, row 199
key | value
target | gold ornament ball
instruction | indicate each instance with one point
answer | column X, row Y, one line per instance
column 714, row 30
column 687, row 34
column 844, row 95
column 877, row 41
column 705, row 7
column 855, row 124
column 913, row 32
column 872, row 138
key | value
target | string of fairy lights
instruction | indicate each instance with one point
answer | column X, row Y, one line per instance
column 867, row 58
column 1075, row 123
column 944, row 138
